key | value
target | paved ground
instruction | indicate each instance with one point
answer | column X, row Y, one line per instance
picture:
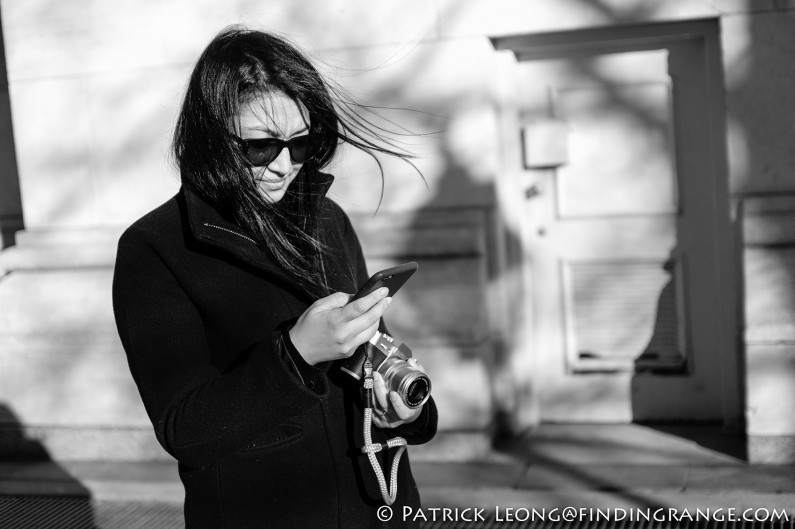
column 630, row 468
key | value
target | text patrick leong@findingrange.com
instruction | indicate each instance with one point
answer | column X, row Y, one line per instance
column 591, row 514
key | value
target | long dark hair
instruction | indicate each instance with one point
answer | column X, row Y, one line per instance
column 240, row 64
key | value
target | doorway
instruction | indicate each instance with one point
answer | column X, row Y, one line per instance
column 625, row 231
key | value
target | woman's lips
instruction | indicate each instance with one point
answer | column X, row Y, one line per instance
column 272, row 185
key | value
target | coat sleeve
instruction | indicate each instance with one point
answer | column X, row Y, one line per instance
column 423, row 428
column 198, row 413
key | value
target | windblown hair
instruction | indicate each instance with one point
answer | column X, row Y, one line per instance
column 237, row 66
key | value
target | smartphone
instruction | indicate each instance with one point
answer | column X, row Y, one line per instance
column 393, row 278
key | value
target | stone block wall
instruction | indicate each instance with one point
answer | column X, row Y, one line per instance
column 93, row 89
column 769, row 272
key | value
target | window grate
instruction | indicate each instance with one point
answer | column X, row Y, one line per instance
column 492, row 523
column 18, row 512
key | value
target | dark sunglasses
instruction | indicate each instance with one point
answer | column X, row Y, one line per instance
column 262, row 151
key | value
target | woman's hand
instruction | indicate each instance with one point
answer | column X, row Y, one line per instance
column 332, row 329
column 389, row 409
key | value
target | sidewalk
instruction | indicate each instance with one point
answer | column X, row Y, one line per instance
column 627, row 467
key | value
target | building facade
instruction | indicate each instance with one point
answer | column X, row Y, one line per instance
column 604, row 222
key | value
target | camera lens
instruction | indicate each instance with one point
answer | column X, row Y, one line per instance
column 417, row 391
column 413, row 386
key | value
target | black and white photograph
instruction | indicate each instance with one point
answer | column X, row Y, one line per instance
column 429, row 264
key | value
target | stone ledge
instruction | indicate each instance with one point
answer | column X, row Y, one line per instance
column 768, row 221
column 61, row 249
column 771, row 334
column 86, row 236
column 771, row 449
column 127, row 445
column 56, row 258
column 436, row 233
column 80, row 443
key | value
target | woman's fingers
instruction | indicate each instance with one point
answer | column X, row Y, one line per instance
column 331, row 328
column 389, row 405
column 402, row 411
column 380, row 410
column 386, row 399
column 332, row 301
column 355, row 309
column 356, row 322
column 379, row 388
column 360, row 330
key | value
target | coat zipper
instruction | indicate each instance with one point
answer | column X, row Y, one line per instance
column 230, row 231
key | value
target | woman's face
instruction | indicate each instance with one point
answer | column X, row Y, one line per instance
column 273, row 115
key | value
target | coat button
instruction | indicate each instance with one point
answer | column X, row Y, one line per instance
column 310, row 384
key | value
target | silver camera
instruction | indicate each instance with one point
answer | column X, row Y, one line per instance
column 397, row 366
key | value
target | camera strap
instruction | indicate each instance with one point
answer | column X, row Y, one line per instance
column 388, row 493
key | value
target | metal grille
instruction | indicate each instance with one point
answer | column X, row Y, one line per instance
column 621, row 313
column 610, row 524
column 81, row 513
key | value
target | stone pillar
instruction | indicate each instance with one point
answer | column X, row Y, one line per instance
column 769, row 263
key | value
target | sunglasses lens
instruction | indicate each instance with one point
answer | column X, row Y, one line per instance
column 264, row 151
column 300, row 149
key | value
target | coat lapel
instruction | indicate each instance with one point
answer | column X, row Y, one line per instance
column 209, row 227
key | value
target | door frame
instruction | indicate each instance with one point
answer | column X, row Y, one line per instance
column 511, row 189
column 10, row 197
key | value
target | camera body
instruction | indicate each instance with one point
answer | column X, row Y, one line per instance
column 397, row 366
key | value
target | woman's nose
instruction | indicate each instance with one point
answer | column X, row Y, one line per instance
column 282, row 164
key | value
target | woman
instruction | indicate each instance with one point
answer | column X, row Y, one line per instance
column 231, row 300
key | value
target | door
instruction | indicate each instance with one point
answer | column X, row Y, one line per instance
column 621, row 235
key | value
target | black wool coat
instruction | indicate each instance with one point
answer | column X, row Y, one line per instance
column 262, row 438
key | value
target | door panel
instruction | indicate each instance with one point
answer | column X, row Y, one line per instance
column 621, row 258
column 630, row 168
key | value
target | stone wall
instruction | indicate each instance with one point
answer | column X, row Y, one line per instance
column 769, row 272
column 759, row 70
column 94, row 88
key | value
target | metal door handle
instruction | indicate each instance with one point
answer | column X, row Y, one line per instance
column 533, row 191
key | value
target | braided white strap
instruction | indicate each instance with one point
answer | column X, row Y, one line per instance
column 371, row 449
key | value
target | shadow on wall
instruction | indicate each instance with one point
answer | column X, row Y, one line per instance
column 35, row 491
column 759, row 110
column 761, row 159
column 664, row 356
column 456, row 181
column 454, row 300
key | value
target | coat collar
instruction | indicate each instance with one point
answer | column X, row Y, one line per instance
column 208, row 226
